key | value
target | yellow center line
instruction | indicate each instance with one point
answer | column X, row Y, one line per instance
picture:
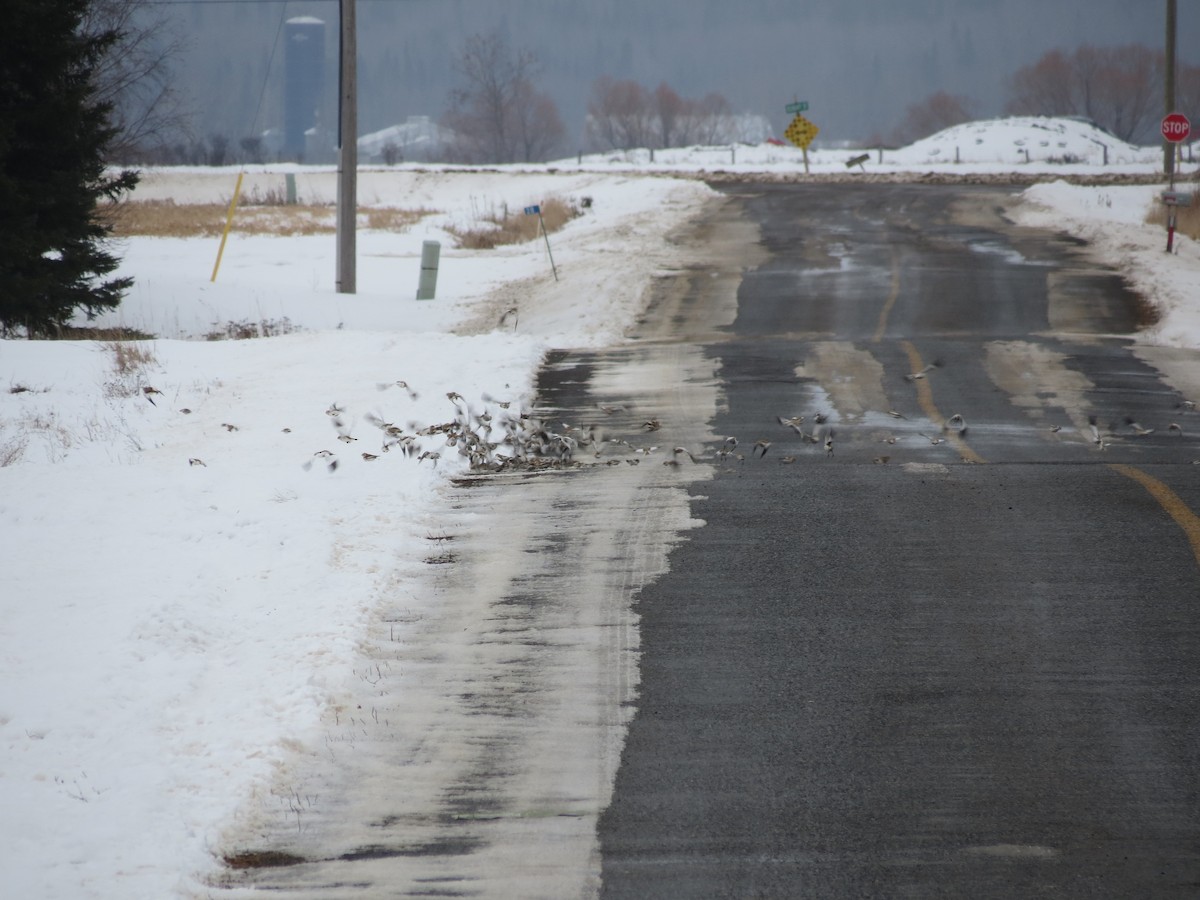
column 925, row 401
column 1168, row 500
column 881, row 327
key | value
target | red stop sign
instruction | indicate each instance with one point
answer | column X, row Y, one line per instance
column 1176, row 127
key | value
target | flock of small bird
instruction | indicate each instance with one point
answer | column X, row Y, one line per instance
column 498, row 435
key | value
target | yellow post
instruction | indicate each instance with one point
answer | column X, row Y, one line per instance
column 237, row 190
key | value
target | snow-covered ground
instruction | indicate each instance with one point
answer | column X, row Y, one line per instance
column 186, row 582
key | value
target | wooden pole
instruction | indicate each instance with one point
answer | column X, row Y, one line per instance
column 1169, row 89
column 347, row 193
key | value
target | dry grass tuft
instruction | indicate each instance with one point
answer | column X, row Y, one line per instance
column 508, row 227
column 12, row 449
column 130, row 357
column 256, row 216
column 1187, row 218
column 261, row 859
column 96, row 333
column 246, row 330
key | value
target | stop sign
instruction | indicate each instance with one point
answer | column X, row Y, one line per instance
column 1176, row 127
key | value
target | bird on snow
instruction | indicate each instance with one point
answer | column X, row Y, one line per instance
column 148, row 391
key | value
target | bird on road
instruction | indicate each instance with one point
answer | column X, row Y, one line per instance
column 917, row 376
column 956, row 423
column 1138, row 429
column 763, row 445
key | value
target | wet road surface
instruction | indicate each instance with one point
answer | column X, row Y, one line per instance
column 920, row 661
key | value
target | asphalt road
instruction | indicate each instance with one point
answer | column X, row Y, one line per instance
column 924, row 663
column 921, row 662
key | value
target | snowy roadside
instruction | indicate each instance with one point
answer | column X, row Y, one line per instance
column 1112, row 221
column 170, row 628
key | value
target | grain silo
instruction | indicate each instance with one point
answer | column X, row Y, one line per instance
column 304, row 79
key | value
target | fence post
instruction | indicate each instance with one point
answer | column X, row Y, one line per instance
column 430, row 254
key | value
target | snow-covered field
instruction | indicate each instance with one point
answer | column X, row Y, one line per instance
column 186, row 581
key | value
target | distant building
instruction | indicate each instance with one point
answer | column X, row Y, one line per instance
column 304, row 82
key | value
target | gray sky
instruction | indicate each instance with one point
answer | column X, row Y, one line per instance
column 859, row 63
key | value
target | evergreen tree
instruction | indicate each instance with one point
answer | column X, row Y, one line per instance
column 53, row 136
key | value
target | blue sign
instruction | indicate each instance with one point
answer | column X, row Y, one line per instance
column 533, row 210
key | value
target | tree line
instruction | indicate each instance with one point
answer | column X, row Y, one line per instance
column 1118, row 88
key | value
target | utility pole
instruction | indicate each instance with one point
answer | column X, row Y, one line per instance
column 347, row 190
column 1169, row 96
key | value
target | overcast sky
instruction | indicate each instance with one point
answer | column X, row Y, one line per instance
column 859, row 63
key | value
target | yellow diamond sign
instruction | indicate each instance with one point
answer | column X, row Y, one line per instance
column 801, row 132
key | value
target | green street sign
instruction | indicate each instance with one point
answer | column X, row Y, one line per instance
column 799, row 107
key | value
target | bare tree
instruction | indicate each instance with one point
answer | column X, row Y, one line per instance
column 713, row 120
column 134, row 76
column 1115, row 87
column 931, row 115
column 1187, row 90
column 499, row 115
column 624, row 115
column 620, row 115
column 673, row 116
column 1044, row 88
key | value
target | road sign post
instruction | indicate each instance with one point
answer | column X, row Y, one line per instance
column 801, row 133
column 1175, row 130
column 536, row 210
